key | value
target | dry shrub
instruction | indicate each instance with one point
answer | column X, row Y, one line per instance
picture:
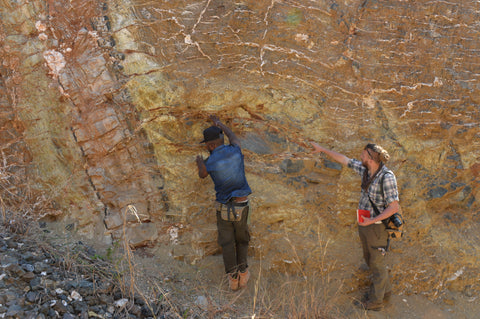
column 20, row 204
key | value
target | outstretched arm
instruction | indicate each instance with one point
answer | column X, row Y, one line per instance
column 340, row 158
column 232, row 138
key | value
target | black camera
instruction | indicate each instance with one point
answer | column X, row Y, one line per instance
column 396, row 220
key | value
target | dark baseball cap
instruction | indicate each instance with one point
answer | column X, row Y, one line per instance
column 211, row 133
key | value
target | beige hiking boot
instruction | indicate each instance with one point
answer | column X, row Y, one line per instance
column 244, row 276
column 233, row 282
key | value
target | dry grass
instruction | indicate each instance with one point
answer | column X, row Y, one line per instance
column 133, row 283
column 19, row 204
column 301, row 295
column 305, row 294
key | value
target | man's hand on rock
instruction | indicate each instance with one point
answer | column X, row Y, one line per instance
column 215, row 120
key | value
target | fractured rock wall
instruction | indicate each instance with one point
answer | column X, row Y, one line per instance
column 112, row 97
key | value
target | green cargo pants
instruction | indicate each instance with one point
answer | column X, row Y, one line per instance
column 374, row 243
column 234, row 237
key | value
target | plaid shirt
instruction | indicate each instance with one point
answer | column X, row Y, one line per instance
column 379, row 198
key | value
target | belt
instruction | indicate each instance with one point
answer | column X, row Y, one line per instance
column 219, row 206
column 241, row 204
column 239, row 199
column 230, row 206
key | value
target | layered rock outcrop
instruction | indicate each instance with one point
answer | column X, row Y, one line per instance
column 103, row 105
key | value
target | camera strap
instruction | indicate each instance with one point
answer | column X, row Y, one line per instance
column 377, row 211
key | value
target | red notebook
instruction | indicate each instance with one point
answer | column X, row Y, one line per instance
column 362, row 213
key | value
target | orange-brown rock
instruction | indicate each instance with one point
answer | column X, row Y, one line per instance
column 103, row 105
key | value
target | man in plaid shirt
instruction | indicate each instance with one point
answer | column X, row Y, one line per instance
column 379, row 187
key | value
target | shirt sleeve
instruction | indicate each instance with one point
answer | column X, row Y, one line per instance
column 357, row 166
column 390, row 189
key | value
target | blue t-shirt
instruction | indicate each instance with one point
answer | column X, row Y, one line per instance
column 225, row 166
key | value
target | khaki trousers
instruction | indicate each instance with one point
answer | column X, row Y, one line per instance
column 374, row 243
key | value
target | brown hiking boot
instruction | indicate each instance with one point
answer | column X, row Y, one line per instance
column 375, row 306
column 386, row 297
column 244, row 276
column 233, row 282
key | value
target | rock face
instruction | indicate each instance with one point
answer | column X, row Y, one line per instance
column 103, row 105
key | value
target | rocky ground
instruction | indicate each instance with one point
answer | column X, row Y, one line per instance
column 38, row 280
column 47, row 275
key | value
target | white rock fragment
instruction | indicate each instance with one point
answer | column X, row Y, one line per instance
column 42, row 37
column 120, row 303
column 188, row 39
column 40, row 26
column 437, row 82
column 173, row 232
column 76, row 296
column 457, row 274
column 301, row 37
column 201, row 301
column 55, row 61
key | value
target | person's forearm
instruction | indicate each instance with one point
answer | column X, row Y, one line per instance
column 202, row 172
column 391, row 209
column 202, row 169
column 232, row 138
column 340, row 158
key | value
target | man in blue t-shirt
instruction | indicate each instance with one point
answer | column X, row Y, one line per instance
column 225, row 166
